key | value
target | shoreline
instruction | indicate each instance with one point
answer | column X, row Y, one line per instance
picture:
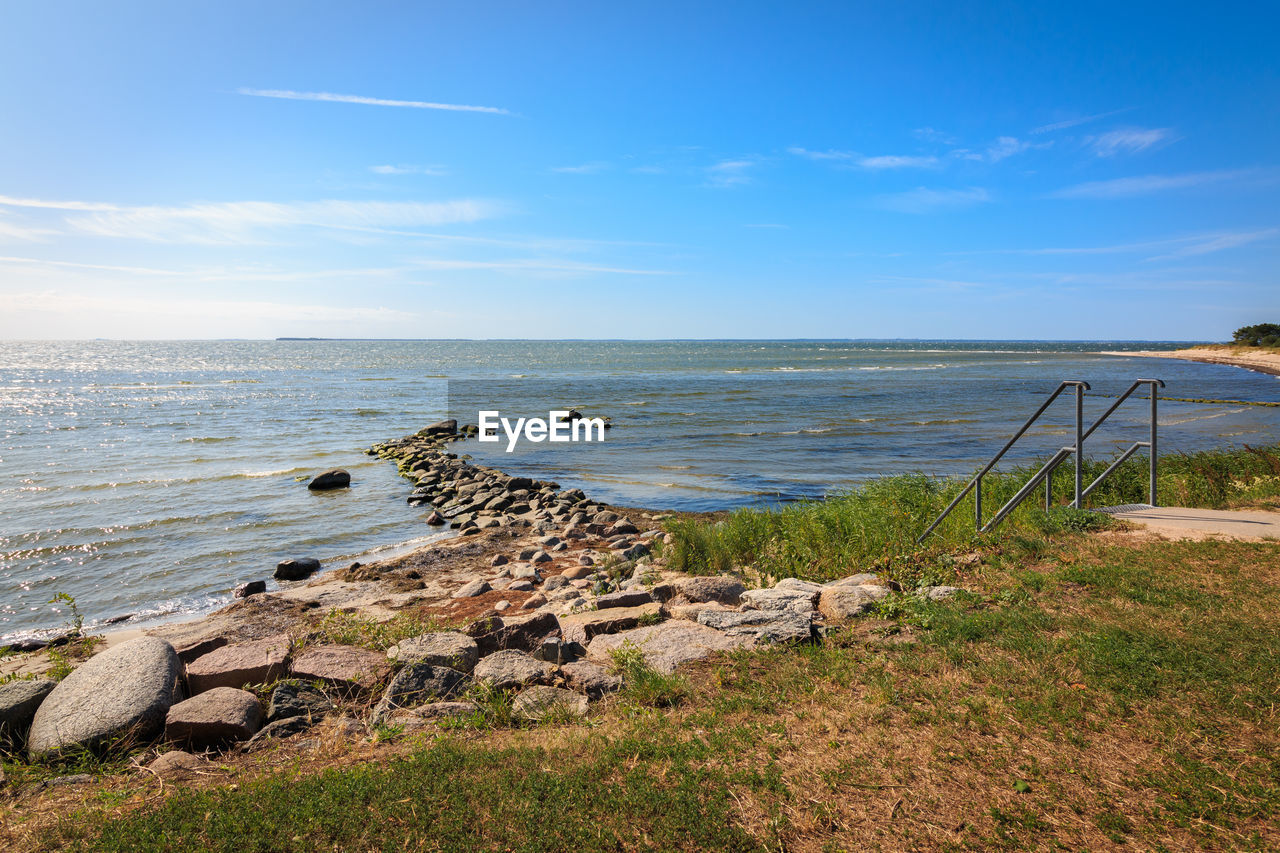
column 1260, row 362
column 466, row 542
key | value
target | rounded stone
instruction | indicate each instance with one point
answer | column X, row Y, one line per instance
column 120, row 694
column 440, row 648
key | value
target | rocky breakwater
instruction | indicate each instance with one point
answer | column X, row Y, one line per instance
column 467, row 497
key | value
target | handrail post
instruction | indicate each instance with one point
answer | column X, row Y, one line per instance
column 977, row 503
column 1048, row 491
column 1079, row 444
column 1152, row 448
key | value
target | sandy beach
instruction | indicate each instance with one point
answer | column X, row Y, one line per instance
column 1262, row 361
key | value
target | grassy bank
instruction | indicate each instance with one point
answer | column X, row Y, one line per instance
column 1094, row 694
column 875, row 527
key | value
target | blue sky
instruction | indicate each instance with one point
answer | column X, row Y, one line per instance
column 647, row 170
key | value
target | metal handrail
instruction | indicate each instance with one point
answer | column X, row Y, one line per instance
column 1151, row 443
column 1045, row 474
column 1080, row 386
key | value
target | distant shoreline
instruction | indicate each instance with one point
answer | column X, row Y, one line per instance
column 1260, row 362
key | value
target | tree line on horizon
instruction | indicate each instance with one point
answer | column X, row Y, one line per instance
column 1261, row 335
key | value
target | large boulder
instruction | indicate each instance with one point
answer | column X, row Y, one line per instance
column 347, row 667
column 215, row 718
column 589, row 624
column 724, row 589
column 335, row 479
column 440, row 648
column 419, row 684
column 667, row 645
column 240, row 664
column 18, row 703
column 845, row 602
column 293, row 699
column 523, row 634
column 778, row 598
column 537, row 703
column 119, row 695
column 776, row 626
column 511, row 668
column 296, row 570
column 446, row 427
column 591, row 678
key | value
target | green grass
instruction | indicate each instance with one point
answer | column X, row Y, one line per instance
column 355, row 629
column 874, row 528
column 452, row 796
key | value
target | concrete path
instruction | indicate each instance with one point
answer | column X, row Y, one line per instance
column 1180, row 523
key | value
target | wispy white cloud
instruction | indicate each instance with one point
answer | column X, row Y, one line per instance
column 884, row 161
column 894, row 161
column 929, row 134
column 821, row 155
column 290, row 95
column 1145, row 184
column 409, row 170
column 245, row 221
column 1003, row 148
column 1075, row 122
column 536, row 265
column 1128, row 140
column 1205, row 244
column 729, row 173
column 12, row 232
column 925, row 200
column 1178, row 247
column 584, row 169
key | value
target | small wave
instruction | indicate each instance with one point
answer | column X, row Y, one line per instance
column 382, row 378
column 240, row 382
column 209, row 439
column 369, row 413
column 675, row 467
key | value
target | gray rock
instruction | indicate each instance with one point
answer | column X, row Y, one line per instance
column 215, row 718
column 838, row 603
column 298, row 700
column 411, row 718
column 938, row 593
column 122, row 693
column 779, row 599
column 418, row 684
column 335, row 479
column 440, row 648
column 296, row 570
column 479, row 586
column 287, row 727
column 510, row 668
column 18, row 703
column 725, row 589
column 797, row 585
column 667, row 645
column 251, row 588
column 540, row 556
column 446, row 427
column 590, row 678
column 537, row 703
column 776, row 626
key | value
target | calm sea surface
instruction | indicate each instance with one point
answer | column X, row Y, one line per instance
column 150, row 478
